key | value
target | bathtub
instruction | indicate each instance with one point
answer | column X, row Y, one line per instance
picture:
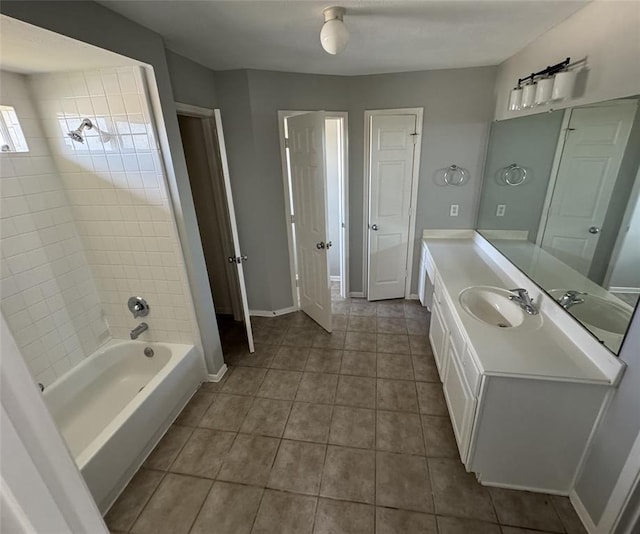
column 115, row 405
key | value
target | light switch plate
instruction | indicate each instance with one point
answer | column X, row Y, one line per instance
column 500, row 209
column 453, row 210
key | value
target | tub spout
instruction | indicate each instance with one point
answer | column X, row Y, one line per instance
column 142, row 327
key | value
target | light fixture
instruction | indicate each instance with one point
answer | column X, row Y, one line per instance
column 515, row 99
column 543, row 92
column 334, row 35
column 529, row 95
column 563, row 85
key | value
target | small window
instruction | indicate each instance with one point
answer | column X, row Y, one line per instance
column 11, row 136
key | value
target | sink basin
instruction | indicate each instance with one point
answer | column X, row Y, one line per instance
column 492, row 306
column 598, row 312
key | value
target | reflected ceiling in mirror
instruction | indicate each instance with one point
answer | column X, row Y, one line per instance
column 561, row 200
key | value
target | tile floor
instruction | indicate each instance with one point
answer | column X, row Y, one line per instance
column 325, row 433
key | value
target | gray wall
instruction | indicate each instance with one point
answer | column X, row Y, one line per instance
column 94, row 24
column 531, row 143
column 191, row 82
column 458, row 111
column 617, row 432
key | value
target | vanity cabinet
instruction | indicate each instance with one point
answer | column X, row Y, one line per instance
column 517, row 423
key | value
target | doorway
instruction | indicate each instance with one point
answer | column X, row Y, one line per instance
column 205, row 155
column 392, row 166
column 335, row 128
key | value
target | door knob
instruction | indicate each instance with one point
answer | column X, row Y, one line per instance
column 320, row 245
column 374, row 227
column 329, row 245
column 594, row 230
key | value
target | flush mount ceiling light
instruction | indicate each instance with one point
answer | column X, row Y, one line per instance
column 334, row 35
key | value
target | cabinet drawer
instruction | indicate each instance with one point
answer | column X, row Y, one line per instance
column 457, row 338
column 470, row 370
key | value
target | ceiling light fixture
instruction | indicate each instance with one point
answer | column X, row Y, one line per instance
column 334, row 35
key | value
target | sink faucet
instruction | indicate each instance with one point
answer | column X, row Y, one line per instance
column 142, row 327
column 526, row 302
column 571, row 298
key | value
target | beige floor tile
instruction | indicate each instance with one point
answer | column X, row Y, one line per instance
column 280, row 384
column 339, row 517
column 431, row 398
column 203, row 453
column 356, row 391
column 290, row 358
column 456, row 525
column 362, row 307
column 309, row 422
column 414, row 310
column 424, row 368
column 358, row 363
column 517, row 530
column 349, row 474
column 262, row 357
column 229, row 509
column 397, row 366
column 195, row 409
column 393, row 343
column 269, row 335
column 324, row 361
column 174, row 505
column 317, row 387
column 249, row 460
column 244, row 380
column 285, row 513
column 417, row 327
column 399, row 395
column 339, row 321
column 340, row 307
column 360, row 341
column 300, row 336
column 391, row 325
column 360, row 323
column 439, row 440
column 402, row 481
column 390, row 521
column 525, row 509
column 390, row 308
column 132, row 500
column 353, row 427
column 168, row 448
column 567, row 514
column 458, row 493
column 298, row 467
column 399, row 432
column 266, row 417
column 227, row 412
column 335, row 339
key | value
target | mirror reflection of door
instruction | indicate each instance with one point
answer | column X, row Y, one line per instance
column 594, row 145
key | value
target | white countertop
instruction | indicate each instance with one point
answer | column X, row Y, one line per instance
column 544, row 352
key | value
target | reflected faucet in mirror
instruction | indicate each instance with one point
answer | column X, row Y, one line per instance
column 571, row 298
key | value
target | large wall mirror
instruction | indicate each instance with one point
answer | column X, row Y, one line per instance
column 561, row 200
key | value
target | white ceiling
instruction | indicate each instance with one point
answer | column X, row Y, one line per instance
column 386, row 36
column 28, row 49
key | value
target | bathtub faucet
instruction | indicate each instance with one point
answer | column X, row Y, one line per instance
column 142, row 327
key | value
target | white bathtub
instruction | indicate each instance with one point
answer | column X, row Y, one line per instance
column 115, row 405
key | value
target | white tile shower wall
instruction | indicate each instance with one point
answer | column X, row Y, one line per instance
column 48, row 295
column 116, row 186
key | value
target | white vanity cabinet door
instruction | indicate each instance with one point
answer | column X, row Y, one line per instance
column 460, row 401
column 439, row 337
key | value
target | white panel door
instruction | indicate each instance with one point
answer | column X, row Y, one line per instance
column 591, row 158
column 391, row 152
column 306, row 134
column 238, row 256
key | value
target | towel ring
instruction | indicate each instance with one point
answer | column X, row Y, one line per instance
column 455, row 175
column 514, row 175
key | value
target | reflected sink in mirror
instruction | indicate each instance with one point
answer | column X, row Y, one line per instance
column 599, row 312
column 492, row 306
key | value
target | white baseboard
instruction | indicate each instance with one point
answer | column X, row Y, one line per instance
column 356, row 294
column 413, row 296
column 334, row 278
column 584, row 516
column 634, row 290
column 274, row 313
column 218, row 376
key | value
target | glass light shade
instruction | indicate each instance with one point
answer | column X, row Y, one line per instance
column 334, row 36
column 529, row 95
column 563, row 85
column 515, row 99
column 543, row 92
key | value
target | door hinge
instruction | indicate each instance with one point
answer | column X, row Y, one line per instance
column 414, row 136
column 286, row 143
column 293, row 218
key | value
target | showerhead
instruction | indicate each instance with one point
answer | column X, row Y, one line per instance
column 76, row 134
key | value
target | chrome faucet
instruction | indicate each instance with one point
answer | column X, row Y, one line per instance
column 142, row 327
column 526, row 302
column 571, row 298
